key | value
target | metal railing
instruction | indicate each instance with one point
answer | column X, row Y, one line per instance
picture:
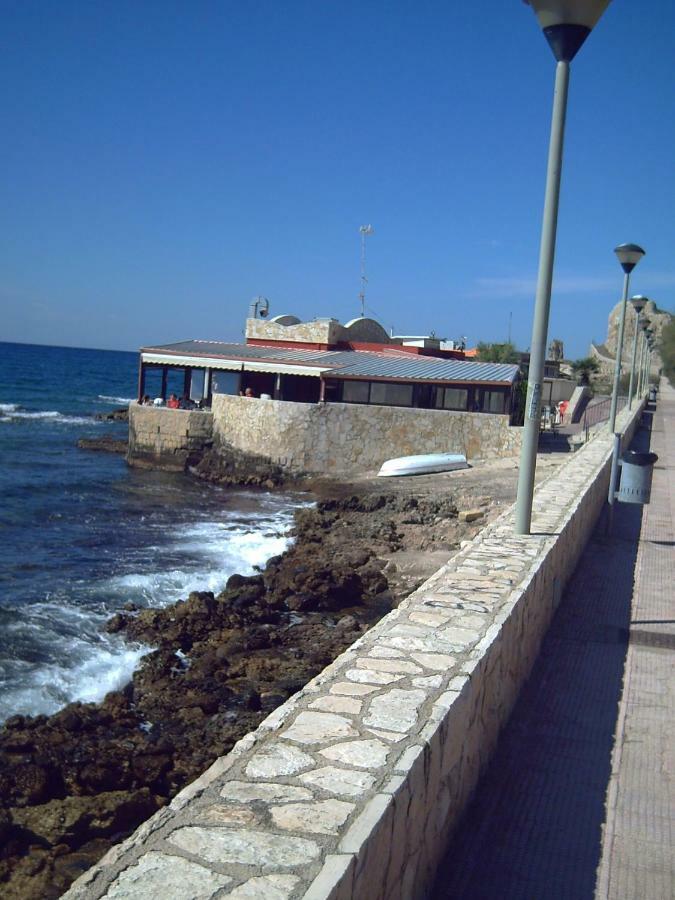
column 598, row 411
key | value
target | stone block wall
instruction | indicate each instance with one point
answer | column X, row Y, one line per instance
column 165, row 438
column 341, row 438
column 350, row 789
column 321, row 331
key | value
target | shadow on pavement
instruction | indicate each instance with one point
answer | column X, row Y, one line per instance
column 533, row 829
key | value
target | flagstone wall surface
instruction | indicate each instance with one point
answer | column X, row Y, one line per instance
column 165, row 438
column 341, row 438
column 351, row 788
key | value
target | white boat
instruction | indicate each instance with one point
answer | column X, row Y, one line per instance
column 423, row 464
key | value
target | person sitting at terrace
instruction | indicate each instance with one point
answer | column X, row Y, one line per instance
column 146, row 401
column 249, row 392
column 172, row 402
column 186, row 402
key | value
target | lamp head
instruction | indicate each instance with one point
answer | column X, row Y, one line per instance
column 567, row 23
column 639, row 302
column 629, row 255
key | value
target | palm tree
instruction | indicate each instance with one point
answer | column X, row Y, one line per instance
column 584, row 368
column 497, row 353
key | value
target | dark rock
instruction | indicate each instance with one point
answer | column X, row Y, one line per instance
column 225, row 465
column 105, row 444
column 116, row 623
column 121, row 414
column 31, row 784
column 75, row 819
column 5, row 826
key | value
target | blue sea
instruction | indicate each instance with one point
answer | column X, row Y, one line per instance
column 81, row 533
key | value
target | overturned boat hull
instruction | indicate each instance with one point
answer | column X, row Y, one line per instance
column 424, row 464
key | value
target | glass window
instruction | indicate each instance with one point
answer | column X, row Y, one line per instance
column 355, row 391
column 197, row 383
column 493, row 401
column 455, row 398
column 384, row 394
column 225, row 382
column 153, row 382
column 331, row 391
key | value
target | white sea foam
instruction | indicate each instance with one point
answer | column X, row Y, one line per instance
column 162, row 588
column 108, row 399
column 79, row 660
column 99, row 669
column 47, row 414
column 8, row 407
column 218, row 550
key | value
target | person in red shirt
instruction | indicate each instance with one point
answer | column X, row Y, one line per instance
column 172, row 402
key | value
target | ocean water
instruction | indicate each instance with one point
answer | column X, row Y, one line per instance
column 81, row 534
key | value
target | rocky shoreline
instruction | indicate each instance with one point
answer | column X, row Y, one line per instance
column 73, row 783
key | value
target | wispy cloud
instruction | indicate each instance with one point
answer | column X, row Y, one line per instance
column 515, row 287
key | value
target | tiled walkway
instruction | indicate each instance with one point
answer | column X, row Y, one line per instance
column 579, row 800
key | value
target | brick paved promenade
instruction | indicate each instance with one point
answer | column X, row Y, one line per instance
column 579, row 801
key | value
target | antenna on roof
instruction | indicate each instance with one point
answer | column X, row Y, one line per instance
column 364, row 230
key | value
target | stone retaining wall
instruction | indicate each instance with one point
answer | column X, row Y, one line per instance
column 341, row 438
column 351, row 788
column 165, row 438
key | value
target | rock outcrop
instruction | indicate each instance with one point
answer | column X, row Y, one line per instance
column 658, row 319
column 106, row 443
column 116, row 415
column 75, row 782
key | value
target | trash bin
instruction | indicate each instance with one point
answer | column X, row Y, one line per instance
column 652, row 394
column 636, row 477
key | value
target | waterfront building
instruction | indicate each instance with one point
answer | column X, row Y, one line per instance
column 323, row 361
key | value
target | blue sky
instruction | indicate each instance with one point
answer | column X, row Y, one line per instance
column 165, row 162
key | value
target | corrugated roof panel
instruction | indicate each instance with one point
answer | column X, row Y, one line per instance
column 395, row 364
column 374, row 365
column 241, row 351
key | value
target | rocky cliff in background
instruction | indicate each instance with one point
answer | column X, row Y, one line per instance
column 658, row 319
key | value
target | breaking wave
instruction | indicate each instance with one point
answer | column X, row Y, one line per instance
column 125, row 401
column 57, row 651
column 12, row 412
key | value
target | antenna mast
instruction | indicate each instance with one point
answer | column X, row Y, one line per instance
column 364, row 230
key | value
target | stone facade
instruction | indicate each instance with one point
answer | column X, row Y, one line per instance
column 341, row 438
column 350, row 789
column 320, row 331
column 163, row 438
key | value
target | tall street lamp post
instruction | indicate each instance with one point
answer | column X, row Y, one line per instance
column 629, row 255
column 649, row 347
column 638, row 303
column 650, row 358
column 646, row 332
column 566, row 25
column 641, row 367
